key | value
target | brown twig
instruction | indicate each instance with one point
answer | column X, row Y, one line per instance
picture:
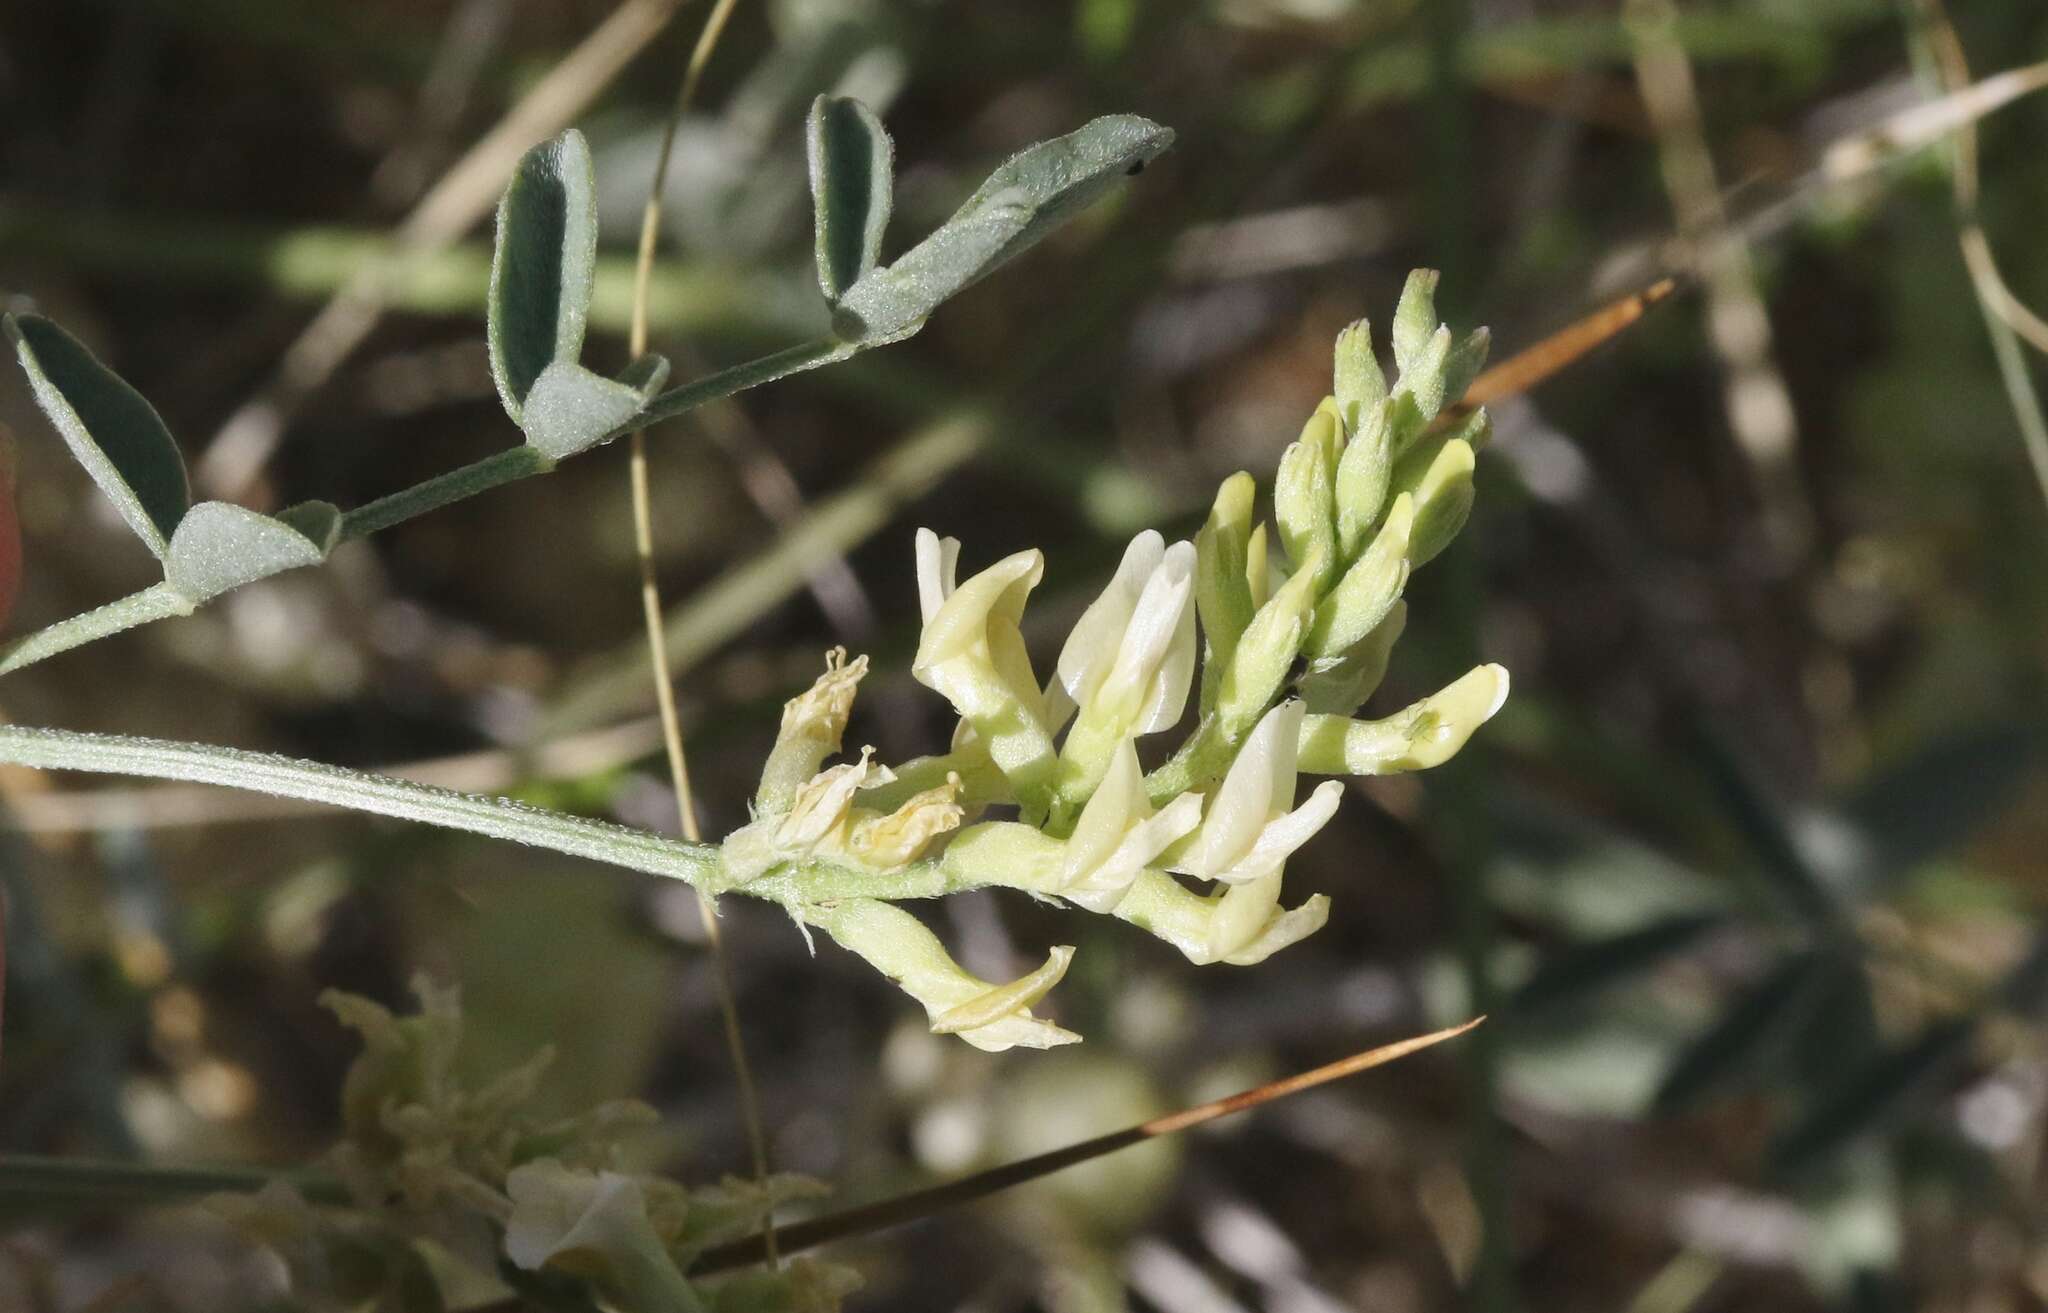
column 1535, row 364
column 918, row 1204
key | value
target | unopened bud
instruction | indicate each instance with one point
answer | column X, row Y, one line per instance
column 1368, row 590
column 1305, row 492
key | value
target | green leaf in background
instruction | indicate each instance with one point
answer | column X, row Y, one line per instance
column 221, row 547
column 1034, row 192
column 1869, row 1096
column 1837, row 1031
column 111, row 429
column 1757, row 818
column 852, row 163
column 1758, row 1017
column 1935, row 800
column 572, row 409
column 542, row 267
column 1583, row 969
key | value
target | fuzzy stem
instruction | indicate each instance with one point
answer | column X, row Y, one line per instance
column 156, row 602
column 498, row 818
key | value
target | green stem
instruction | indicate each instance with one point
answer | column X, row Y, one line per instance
column 698, row 864
column 492, row 471
column 56, row 1183
column 157, row 602
column 740, row 377
column 497, row 818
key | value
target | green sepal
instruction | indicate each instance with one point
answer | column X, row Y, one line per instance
column 111, row 430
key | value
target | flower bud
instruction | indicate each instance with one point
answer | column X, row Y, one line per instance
column 1467, row 358
column 1265, row 655
column 1422, row 377
column 1425, row 734
column 1362, row 473
column 990, row 1017
column 1414, row 318
column 1258, row 571
column 1359, row 384
column 1443, row 501
column 1223, row 593
column 1252, row 825
column 1341, row 684
column 1368, row 590
column 1438, row 474
column 1304, row 493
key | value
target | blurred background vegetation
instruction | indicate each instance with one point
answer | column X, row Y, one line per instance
column 1750, row 872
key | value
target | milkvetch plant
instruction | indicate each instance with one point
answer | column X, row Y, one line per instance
column 1255, row 644
column 1294, row 628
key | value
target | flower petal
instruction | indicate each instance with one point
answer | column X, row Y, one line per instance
column 938, row 562
column 1117, row 804
column 1261, row 778
column 1241, row 914
column 1013, row 999
column 1278, row 840
column 1290, row 927
column 1089, row 650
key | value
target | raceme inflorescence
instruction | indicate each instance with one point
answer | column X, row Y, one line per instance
column 1293, row 630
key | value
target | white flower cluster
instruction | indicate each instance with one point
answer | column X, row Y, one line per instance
column 1293, row 633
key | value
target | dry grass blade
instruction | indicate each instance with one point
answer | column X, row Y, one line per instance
column 650, row 606
column 1533, row 365
column 2006, row 317
column 918, row 1204
column 463, row 196
column 1756, row 399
